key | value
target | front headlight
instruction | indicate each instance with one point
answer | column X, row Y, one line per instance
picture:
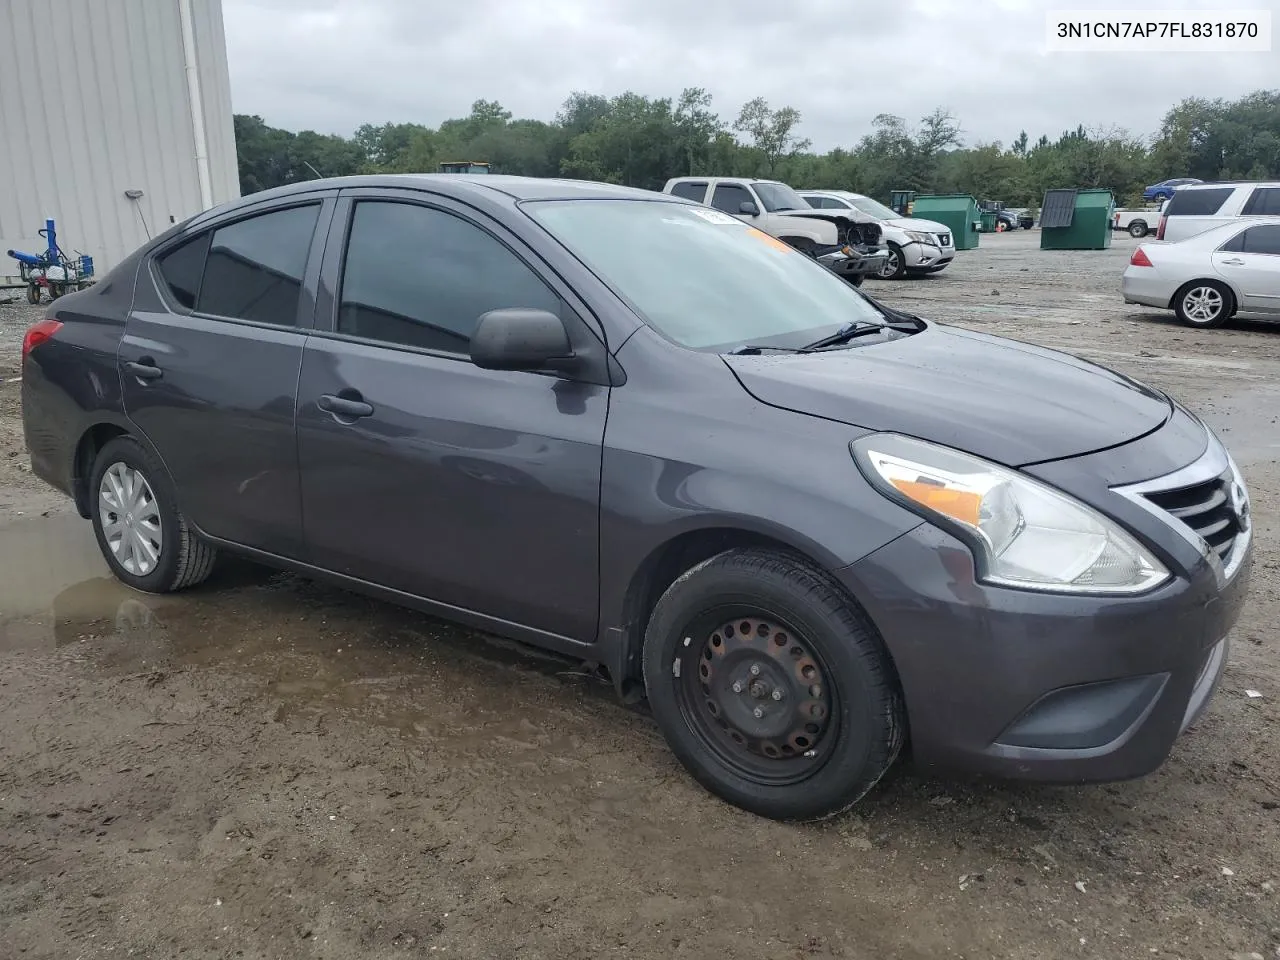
column 918, row 237
column 1023, row 533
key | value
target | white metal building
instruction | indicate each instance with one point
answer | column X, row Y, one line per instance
column 115, row 120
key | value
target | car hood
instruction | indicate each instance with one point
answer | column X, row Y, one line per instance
column 914, row 223
column 1008, row 401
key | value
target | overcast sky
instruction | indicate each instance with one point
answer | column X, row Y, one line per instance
column 331, row 65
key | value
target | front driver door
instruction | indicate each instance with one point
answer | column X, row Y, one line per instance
column 421, row 472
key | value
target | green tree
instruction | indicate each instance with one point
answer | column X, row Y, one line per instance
column 771, row 132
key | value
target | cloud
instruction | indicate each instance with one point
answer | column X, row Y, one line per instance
column 330, row 65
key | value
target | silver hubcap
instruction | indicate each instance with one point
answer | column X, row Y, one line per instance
column 1202, row 304
column 890, row 265
column 130, row 519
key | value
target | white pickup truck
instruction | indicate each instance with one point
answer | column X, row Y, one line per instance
column 851, row 249
column 1137, row 223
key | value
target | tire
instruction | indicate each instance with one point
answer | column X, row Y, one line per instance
column 803, row 244
column 757, row 610
column 181, row 559
column 857, row 279
column 33, row 293
column 894, row 266
column 1138, row 229
column 1204, row 303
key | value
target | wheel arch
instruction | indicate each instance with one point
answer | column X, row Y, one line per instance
column 685, row 549
column 1218, row 281
column 92, row 439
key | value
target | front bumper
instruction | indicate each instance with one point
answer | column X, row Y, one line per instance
column 923, row 256
column 1046, row 686
column 854, row 263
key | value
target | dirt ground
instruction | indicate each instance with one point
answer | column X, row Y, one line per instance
column 264, row 767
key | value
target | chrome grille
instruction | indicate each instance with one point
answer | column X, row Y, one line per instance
column 1207, row 502
column 1206, row 508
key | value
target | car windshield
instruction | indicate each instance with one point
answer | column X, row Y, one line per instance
column 701, row 277
column 874, row 208
column 777, row 197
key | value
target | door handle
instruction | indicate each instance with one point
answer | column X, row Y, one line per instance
column 1234, row 261
column 345, row 406
column 144, row 369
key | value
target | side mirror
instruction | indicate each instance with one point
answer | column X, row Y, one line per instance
column 519, row 339
column 748, row 208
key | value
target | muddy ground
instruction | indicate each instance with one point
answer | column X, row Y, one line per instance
column 264, row 767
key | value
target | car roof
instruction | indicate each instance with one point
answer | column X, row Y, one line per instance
column 1219, row 184
column 458, row 185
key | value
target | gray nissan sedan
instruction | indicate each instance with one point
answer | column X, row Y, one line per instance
column 638, row 432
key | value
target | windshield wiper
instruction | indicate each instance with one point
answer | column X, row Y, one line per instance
column 846, row 333
column 753, row 348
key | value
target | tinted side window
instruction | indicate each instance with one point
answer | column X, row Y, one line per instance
column 255, row 266
column 1197, row 203
column 730, row 197
column 181, row 269
column 1235, row 244
column 422, row 277
column 1265, row 201
column 690, row 191
column 1263, row 240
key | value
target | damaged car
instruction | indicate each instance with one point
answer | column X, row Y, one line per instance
column 839, row 240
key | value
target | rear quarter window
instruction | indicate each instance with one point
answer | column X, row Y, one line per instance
column 1197, row 203
column 690, row 191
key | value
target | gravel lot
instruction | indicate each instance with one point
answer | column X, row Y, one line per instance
column 269, row 768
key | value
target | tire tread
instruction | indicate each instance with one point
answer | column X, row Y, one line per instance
column 816, row 590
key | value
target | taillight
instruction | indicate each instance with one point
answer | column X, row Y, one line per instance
column 38, row 334
column 1139, row 259
column 1160, row 228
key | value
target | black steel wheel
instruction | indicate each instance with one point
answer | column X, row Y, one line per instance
column 771, row 687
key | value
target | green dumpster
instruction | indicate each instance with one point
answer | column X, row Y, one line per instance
column 1076, row 219
column 959, row 211
column 988, row 219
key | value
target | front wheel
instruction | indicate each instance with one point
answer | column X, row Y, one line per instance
column 145, row 539
column 895, row 265
column 1203, row 303
column 771, row 687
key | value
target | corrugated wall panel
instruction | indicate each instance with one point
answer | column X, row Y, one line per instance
column 102, row 111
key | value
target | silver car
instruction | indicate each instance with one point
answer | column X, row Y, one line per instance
column 1207, row 278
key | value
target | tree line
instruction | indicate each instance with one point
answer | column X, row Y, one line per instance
column 642, row 141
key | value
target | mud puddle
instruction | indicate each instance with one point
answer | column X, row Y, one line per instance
column 319, row 652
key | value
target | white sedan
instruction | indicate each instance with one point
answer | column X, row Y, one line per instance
column 1207, row 278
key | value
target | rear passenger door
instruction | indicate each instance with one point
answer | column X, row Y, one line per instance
column 1251, row 261
column 478, row 489
column 209, row 366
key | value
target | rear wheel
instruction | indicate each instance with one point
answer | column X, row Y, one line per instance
column 145, row 539
column 1203, row 303
column 33, row 293
column 1138, row 229
column 771, row 687
column 894, row 265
